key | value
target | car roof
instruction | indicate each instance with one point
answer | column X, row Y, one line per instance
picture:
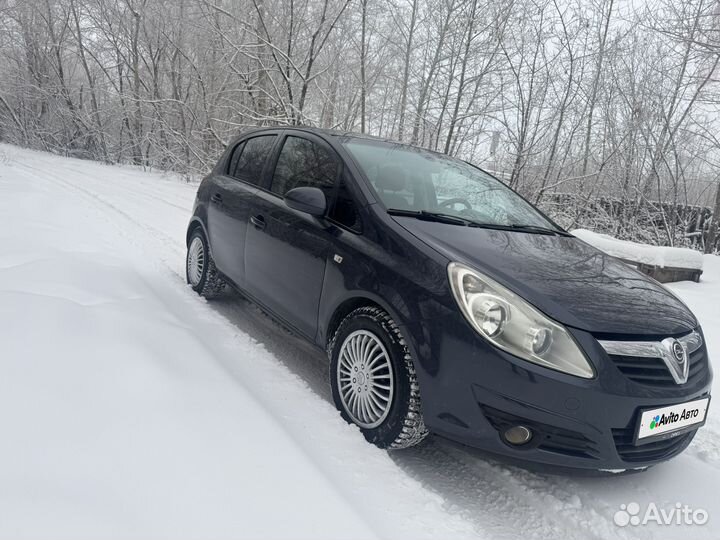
column 324, row 132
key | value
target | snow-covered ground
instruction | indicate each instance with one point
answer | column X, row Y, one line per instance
column 131, row 408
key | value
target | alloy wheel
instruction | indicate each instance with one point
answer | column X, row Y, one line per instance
column 365, row 379
column 195, row 261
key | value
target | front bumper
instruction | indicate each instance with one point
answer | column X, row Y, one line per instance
column 472, row 392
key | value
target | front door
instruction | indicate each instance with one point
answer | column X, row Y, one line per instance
column 286, row 250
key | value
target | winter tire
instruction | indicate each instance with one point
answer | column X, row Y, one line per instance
column 200, row 269
column 373, row 379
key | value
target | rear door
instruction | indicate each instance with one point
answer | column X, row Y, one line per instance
column 231, row 198
column 286, row 250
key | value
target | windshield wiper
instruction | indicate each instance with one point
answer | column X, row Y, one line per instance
column 534, row 229
column 538, row 229
column 440, row 217
column 426, row 215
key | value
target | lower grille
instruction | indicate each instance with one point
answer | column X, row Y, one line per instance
column 654, row 451
column 545, row 437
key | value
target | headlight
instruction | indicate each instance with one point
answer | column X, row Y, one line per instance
column 512, row 324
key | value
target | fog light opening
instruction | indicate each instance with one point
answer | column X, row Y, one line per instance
column 517, row 435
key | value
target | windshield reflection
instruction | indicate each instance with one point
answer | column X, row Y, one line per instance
column 412, row 179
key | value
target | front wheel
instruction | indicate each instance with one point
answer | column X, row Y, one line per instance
column 373, row 379
column 200, row 270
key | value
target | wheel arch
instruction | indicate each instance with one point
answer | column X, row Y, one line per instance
column 350, row 304
column 342, row 310
column 195, row 223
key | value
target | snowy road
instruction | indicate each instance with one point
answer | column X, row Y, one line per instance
column 131, row 408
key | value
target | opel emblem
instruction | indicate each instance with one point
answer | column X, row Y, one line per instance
column 674, row 354
column 678, row 352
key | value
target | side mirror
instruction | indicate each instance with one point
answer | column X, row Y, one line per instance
column 310, row 200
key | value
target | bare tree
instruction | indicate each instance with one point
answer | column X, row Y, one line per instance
column 601, row 112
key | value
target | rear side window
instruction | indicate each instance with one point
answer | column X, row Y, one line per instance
column 303, row 163
column 252, row 157
column 234, row 159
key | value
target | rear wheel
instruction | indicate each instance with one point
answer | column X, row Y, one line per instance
column 200, row 269
column 373, row 379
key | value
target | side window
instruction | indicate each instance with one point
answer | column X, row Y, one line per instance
column 304, row 163
column 232, row 164
column 345, row 211
column 253, row 155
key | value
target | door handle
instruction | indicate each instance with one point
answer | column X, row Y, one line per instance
column 258, row 222
column 216, row 198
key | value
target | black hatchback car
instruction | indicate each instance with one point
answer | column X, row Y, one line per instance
column 449, row 304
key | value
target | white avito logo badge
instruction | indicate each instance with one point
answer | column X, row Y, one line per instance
column 627, row 514
column 680, row 514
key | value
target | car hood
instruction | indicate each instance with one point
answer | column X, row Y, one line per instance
column 567, row 279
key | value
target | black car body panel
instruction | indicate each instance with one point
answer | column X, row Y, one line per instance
column 567, row 279
column 310, row 272
column 227, row 220
column 285, row 258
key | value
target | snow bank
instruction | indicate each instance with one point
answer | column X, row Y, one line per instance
column 117, row 420
column 642, row 253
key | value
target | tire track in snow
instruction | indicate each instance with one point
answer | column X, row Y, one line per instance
column 164, row 240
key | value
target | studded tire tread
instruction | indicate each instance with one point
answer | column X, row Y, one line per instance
column 404, row 427
column 211, row 284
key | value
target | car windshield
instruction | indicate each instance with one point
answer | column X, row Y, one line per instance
column 416, row 180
